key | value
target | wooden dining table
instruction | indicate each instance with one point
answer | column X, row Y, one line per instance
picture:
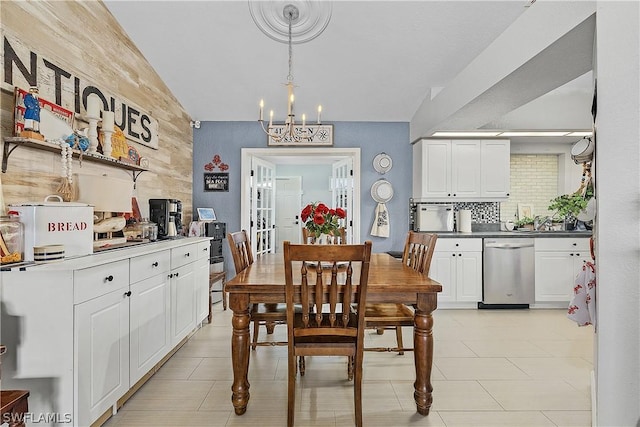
column 389, row 281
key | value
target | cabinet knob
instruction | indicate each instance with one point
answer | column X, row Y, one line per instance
column 453, row 254
column 176, row 274
column 577, row 254
column 574, row 244
column 127, row 294
column 459, row 254
column 169, row 276
column 109, row 278
column 507, row 194
column 457, row 244
column 454, row 194
column 155, row 264
column 571, row 254
column 187, row 254
column 449, row 194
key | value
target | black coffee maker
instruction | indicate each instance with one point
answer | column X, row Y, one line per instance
column 167, row 213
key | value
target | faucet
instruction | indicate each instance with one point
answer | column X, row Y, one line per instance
column 537, row 225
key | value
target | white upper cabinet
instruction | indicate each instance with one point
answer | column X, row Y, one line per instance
column 461, row 170
column 495, row 158
column 465, row 169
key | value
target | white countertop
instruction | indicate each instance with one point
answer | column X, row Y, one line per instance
column 106, row 256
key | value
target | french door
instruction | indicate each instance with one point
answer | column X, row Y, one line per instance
column 263, row 181
column 342, row 192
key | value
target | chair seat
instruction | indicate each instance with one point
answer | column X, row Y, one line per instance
column 265, row 310
column 389, row 314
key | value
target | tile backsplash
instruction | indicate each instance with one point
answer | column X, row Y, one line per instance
column 481, row 212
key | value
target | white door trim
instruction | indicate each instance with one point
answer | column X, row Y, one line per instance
column 271, row 155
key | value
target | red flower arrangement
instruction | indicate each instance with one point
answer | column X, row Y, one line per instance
column 319, row 219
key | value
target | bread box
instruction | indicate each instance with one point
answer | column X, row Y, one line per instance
column 56, row 223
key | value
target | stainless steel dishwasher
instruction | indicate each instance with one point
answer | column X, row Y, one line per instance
column 508, row 271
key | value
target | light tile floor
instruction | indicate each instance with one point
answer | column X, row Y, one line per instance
column 491, row 368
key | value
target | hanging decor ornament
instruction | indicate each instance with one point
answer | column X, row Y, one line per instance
column 66, row 188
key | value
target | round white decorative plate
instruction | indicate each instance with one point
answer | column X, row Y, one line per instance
column 382, row 191
column 382, row 163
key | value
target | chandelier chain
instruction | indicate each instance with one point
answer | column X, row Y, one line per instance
column 290, row 76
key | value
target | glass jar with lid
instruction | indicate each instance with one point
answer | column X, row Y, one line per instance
column 149, row 230
column 11, row 239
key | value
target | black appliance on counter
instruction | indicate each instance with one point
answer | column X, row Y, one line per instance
column 164, row 212
column 218, row 233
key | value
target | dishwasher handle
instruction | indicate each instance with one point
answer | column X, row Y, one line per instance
column 508, row 245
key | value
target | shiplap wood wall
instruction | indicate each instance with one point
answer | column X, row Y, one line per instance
column 86, row 40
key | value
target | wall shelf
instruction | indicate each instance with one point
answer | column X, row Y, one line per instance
column 11, row 143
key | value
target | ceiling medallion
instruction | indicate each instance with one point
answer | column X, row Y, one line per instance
column 312, row 18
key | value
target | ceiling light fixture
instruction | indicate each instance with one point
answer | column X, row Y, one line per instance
column 289, row 131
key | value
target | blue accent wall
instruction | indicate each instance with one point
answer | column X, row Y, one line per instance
column 227, row 138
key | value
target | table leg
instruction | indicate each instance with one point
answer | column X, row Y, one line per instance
column 423, row 351
column 239, row 303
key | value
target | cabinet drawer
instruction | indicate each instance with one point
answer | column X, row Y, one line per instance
column 562, row 244
column 145, row 266
column 451, row 245
column 203, row 250
column 96, row 281
column 184, row 255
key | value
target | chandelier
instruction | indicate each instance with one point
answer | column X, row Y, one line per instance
column 290, row 131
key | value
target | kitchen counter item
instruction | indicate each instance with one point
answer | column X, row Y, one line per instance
column 149, row 230
column 56, row 223
column 11, row 240
column 464, row 221
column 48, row 253
column 434, row 217
column 508, row 273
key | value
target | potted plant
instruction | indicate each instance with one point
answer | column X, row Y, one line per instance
column 525, row 222
column 567, row 207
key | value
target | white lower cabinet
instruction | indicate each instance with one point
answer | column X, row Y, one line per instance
column 102, row 366
column 150, row 309
column 557, row 263
column 202, row 289
column 457, row 265
column 202, row 270
column 149, row 325
column 91, row 327
column 183, row 303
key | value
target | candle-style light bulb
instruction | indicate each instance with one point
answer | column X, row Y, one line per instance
column 319, row 114
column 304, row 119
column 261, row 107
column 270, row 118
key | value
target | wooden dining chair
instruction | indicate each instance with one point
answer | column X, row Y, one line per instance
column 307, row 237
column 417, row 254
column 330, row 279
column 268, row 315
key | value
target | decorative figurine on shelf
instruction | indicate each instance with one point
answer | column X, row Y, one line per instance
column 32, row 115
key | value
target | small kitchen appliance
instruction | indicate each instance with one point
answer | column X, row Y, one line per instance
column 434, row 217
column 167, row 214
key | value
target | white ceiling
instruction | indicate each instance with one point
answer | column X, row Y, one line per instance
column 376, row 60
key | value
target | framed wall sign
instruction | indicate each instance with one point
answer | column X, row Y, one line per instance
column 215, row 181
column 319, row 135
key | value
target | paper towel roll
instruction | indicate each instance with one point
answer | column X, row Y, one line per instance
column 464, row 221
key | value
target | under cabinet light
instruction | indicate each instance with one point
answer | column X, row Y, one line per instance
column 466, row 134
